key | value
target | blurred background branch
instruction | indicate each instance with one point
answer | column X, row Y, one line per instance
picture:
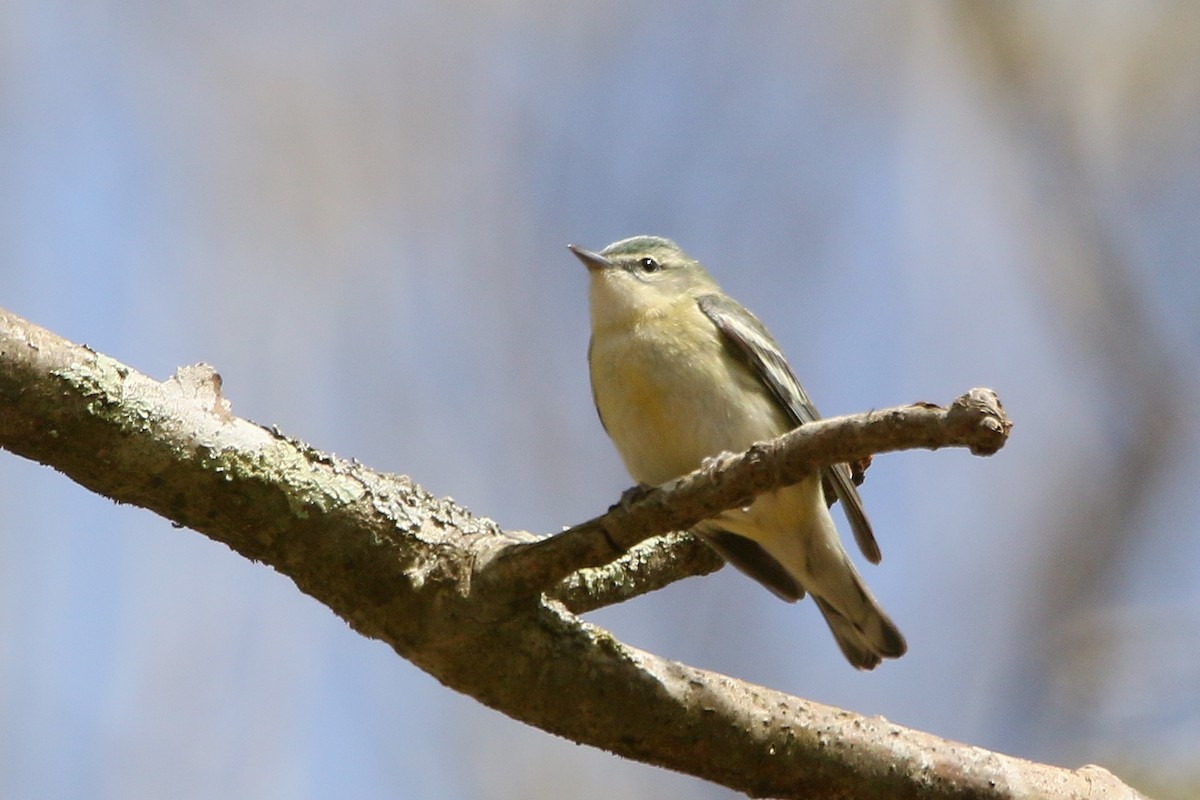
column 1083, row 225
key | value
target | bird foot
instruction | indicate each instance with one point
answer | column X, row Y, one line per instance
column 634, row 494
column 716, row 463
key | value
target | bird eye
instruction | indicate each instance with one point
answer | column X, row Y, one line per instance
column 649, row 265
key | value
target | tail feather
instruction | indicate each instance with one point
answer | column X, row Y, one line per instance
column 867, row 642
column 752, row 559
column 787, row 541
column 862, row 630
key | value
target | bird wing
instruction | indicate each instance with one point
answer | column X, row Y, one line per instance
column 749, row 340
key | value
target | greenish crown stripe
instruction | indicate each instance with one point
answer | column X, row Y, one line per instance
column 638, row 245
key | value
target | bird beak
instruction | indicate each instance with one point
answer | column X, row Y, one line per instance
column 593, row 261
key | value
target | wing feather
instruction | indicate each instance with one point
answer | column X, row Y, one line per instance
column 749, row 340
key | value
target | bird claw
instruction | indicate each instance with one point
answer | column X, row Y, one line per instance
column 711, row 464
column 634, row 494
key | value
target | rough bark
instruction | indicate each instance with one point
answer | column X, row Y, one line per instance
column 475, row 606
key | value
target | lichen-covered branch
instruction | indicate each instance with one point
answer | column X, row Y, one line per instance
column 402, row 566
column 646, row 567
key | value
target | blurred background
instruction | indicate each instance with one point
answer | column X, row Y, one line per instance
column 358, row 212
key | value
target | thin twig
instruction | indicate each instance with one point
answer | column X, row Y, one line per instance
column 976, row 421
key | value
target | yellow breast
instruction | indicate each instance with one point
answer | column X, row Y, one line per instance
column 670, row 394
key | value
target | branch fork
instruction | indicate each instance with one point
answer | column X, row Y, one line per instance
column 476, row 606
column 976, row 421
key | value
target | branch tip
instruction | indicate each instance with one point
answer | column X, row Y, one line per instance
column 981, row 413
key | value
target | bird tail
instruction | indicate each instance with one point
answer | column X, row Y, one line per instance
column 863, row 631
column 787, row 541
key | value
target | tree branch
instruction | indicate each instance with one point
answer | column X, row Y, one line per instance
column 976, row 421
column 400, row 566
column 646, row 567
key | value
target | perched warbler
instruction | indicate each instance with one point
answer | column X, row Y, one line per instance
column 681, row 373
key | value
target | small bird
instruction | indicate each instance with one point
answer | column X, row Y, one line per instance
column 682, row 373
